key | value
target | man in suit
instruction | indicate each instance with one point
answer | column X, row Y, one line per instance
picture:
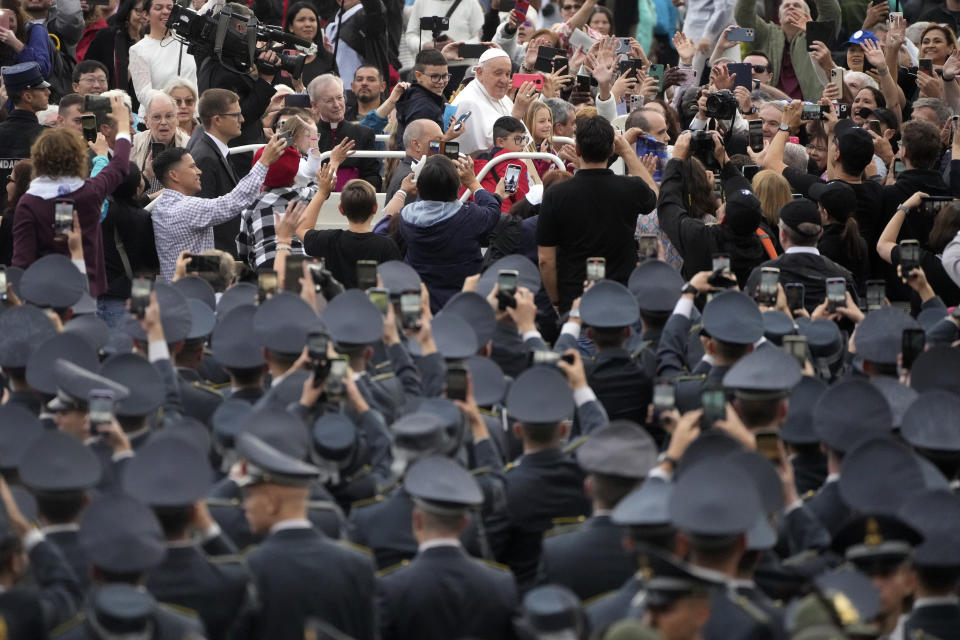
column 329, row 108
column 222, row 121
column 443, row 592
column 341, row 580
column 590, row 559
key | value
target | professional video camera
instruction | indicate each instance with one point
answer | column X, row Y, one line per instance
column 233, row 39
column 721, row 105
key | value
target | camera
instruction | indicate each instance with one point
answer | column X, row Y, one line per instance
column 702, row 146
column 94, row 104
column 289, row 62
column 435, row 24
column 721, row 105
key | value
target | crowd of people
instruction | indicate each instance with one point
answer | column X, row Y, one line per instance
column 480, row 319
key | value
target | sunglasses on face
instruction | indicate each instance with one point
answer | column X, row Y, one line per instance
column 759, row 68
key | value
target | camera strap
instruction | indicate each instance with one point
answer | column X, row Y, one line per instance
column 453, row 7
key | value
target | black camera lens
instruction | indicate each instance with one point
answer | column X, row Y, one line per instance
column 721, row 105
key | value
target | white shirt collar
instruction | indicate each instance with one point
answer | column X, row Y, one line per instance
column 933, row 601
column 293, row 523
column 60, row 528
column 812, row 250
column 224, row 149
column 439, row 542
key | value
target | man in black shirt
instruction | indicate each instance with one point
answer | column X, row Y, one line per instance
column 339, row 248
column 574, row 226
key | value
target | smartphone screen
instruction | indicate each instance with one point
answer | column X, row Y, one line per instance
column 714, row 406
column 203, row 264
column 596, row 269
column 507, row 281
column 456, row 382
column 876, row 289
column 756, row 136
column 796, row 346
column 768, row 445
column 795, row 295
column 434, row 148
column 721, row 263
column 452, row 150
column 380, row 299
column 410, row 309
column 317, row 342
column 810, row 112
column 266, row 284
column 767, row 291
column 664, row 395
column 140, row 290
column 511, row 178
column 909, row 256
column 298, row 100
column 925, row 65
column 836, row 292
column 750, row 170
column 62, row 216
column 333, row 386
column 3, row 283
column 366, row 274
column 292, row 272
column 89, row 124
column 912, row 345
column 100, row 406
column 648, row 246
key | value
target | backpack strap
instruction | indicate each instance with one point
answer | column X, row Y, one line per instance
column 767, row 243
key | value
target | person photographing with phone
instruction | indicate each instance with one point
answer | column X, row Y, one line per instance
column 60, row 166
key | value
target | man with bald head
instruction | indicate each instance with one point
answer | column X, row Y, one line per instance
column 416, row 140
column 486, row 99
column 329, row 107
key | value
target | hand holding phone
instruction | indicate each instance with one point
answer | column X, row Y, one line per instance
column 507, row 280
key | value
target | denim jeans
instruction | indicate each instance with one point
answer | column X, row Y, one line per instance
column 112, row 310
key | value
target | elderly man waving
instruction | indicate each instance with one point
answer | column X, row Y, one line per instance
column 486, row 98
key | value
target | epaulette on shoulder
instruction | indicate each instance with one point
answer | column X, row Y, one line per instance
column 568, row 520
column 557, row 531
column 382, row 365
column 494, row 565
column 68, row 625
column 393, row 569
column 480, row 470
column 598, row 598
column 809, row 494
column 206, row 387
column 366, row 502
column 510, row 465
column 321, row 505
column 576, row 444
column 353, row 546
column 218, row 385
column 247, row 550
column 643, row 348
column 359, row 473
column 751, row 609
column 176, row 608
column 231, row 558
column 488, row 412
column 383, row 376
column 223, row 502
column 691, row 377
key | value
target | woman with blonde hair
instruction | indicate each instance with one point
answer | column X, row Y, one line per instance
column 773, row 191
column 539, row 122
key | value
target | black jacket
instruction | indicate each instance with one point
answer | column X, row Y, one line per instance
column 417, row 103
column 134, row 228
column 369, row 168
column 17, row 134
column 831, row 246
column 111, row 47
column 811, row 271
column 364, row 32
column 697, row 241
column 219, row 178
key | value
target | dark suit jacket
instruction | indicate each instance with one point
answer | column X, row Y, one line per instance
column 589, row 560
column 218, row 179
column 809, row 270
column 444, row 593
column 368, row 168
column 302, row 574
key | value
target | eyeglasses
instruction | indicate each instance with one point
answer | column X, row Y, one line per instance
column 236, row 115
column 759, row 68
column 439, row 77
column 170, row 117
column 818, row 148
column 521, row 139
column 185, row 101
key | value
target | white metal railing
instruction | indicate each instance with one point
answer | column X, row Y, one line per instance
column 515, row 155
column 562, row 140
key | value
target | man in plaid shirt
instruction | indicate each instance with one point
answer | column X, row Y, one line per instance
column 183, row 222
column 257, row 240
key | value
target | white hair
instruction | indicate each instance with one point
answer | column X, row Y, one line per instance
column 806, row 7
column 915, row 31
column 176, row 82
column 321, row 81
column 158, row 95
column 119, row 92
column 795, row 156
column 859, row 79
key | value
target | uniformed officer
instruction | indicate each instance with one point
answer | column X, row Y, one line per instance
column 541, row 401
column 846, row 413
column 732, row 323
column 489, row 386
column 123, row 541
column 474, row 308
column 878, row 340
column 929, row 427
column 39, row 370
column 281, row 325
column 53, row 282
column 797, row 432
column 239, row 354
column 609, row 310
column 92, row 329
column 195, row 381
column 644, row 515
column 20, row 430
column 22, row 330
column 443, row 592
column 656, row 286
column 171, row 475
column 29, row 93
column 342, row 456
column 589, row 558
column 717, row 540
column 936, row 611
column 936, row 368
column 761, row 383
column 550, row 610
column 678, row 597
column 777, row 325
column 826, row 345
column 61, row 471
column 300, row 572
column 843, row 601
column 238, row 295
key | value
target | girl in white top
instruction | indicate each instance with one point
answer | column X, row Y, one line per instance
column 156, row 59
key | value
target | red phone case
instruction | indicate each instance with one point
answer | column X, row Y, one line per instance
column 520, row 78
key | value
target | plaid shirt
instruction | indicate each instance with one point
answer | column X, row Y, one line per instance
column 257, row 240
column 185, row 223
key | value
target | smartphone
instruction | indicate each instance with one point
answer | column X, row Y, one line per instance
column 463, row 118
column 452, row 150
column 768, row 444
column 898, row 167
column 756, row 135
column 366, row 274
column 912, row 343
column 796, row 346
column 925, row 65
column 636, row 102
column 932, row 205
column 742, row 74
column 767, row 290
column 410, row 309
column 741, row 34
column 544, row 64
column 895, row 15
column 626, row 66
column 657, row 71
column 435, row 148
column 874, row 125
column 511, row 178
column 909, row 256
column 821, row 31
column 317, row 342
column 797, row 196
column 794, row 291
column 472, row 50
column 298, row 100
column 62, row 217
column 843, row 110
column 623, row 46
column 648, row 246
column 507, row 280
column 266, row 285
column 203, row 264
column 292, row 272
column 750, row 170
column 140, row 290
column 583, row 84
column 876, row 289
column 456, row 382
column 520, row 78
column 100, row 405
column 89, row 124
column 316, row 271
column 812, row 112
column 721, row 263
column 3, row 283
column 836, row 293
column 714, row 404
column 836, row 79
column 664, row 395
column 333, row 386
column 596, row 269
column 156, row 148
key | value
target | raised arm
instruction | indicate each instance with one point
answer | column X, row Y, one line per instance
column 888, row 239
